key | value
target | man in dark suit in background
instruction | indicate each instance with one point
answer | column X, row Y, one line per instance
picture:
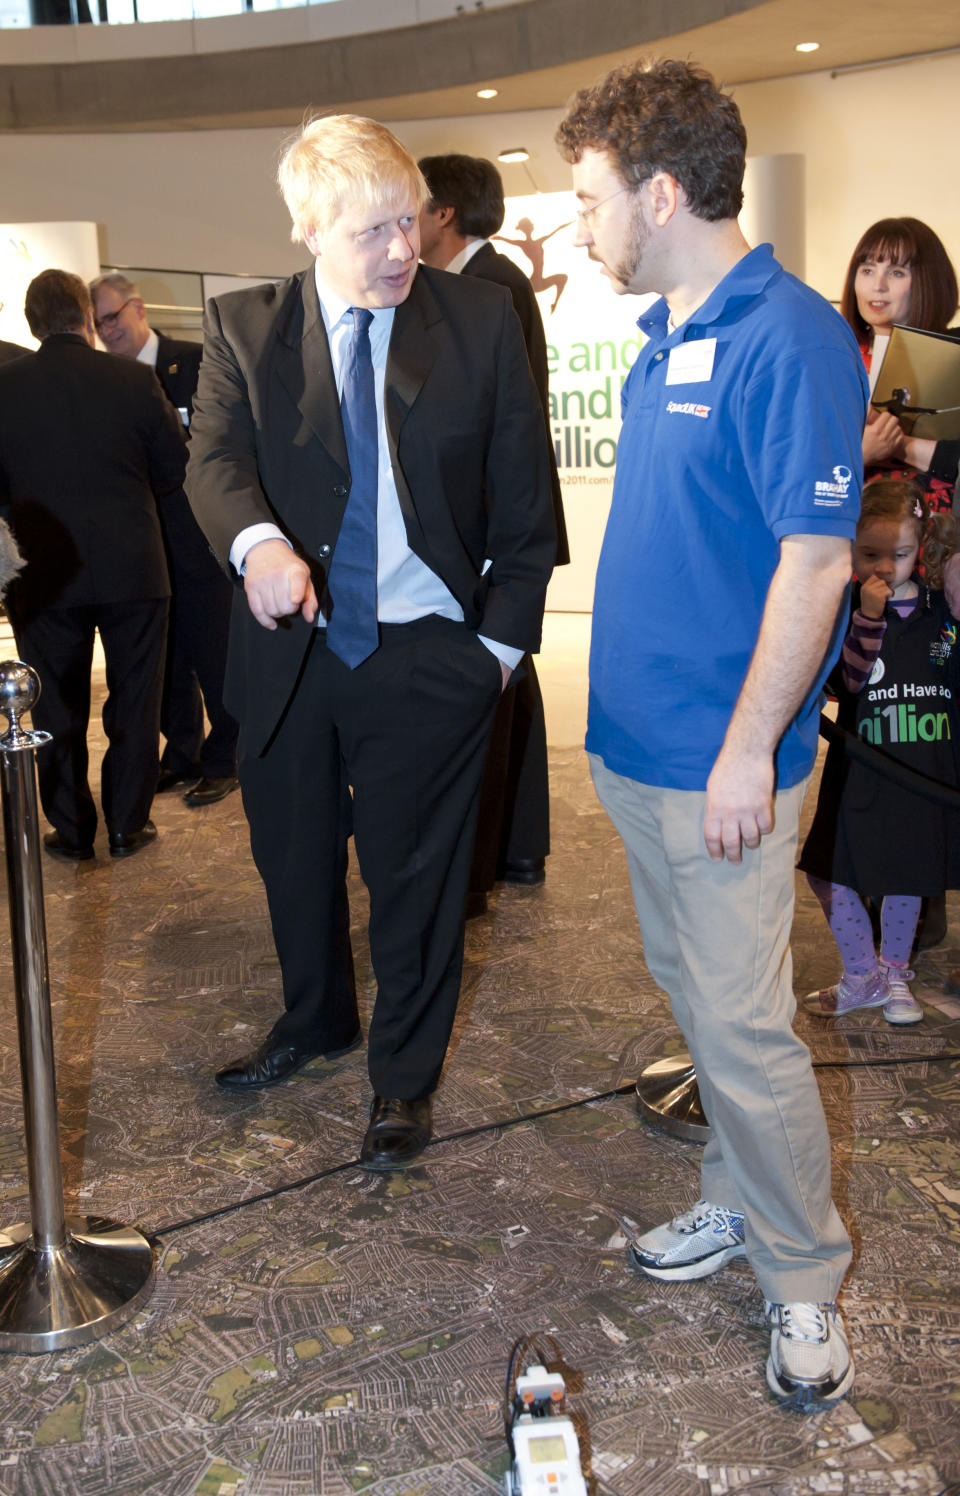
column 87, row 444
column 465, row 210
column 201, row 594
column 369, row 455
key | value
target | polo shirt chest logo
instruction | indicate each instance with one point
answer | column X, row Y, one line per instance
column 942, row 648
column 687, row 408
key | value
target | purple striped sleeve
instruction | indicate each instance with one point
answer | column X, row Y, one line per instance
column 860, row 650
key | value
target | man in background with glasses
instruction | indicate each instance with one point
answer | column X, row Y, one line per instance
column 202, row 763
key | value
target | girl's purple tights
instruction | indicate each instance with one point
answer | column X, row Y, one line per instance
column 850, row 926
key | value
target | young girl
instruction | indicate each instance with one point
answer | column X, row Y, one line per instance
column 895, row 684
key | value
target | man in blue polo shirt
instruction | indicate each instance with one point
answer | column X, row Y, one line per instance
column 719, row 589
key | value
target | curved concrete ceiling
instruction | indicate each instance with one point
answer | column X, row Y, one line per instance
column 535, row 53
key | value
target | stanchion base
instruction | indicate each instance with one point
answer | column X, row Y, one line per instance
column 669, row 1097
column 69, row 1295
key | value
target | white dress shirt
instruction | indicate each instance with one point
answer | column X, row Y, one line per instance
column 148, row 353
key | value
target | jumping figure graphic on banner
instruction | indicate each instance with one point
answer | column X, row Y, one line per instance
column 533, row 249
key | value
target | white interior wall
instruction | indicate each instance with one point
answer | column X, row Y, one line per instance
column 876, row 143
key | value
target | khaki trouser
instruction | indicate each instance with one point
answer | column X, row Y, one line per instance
column 716, row 939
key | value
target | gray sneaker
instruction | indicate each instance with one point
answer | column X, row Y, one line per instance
column 692, row 1245
column 810, row 1362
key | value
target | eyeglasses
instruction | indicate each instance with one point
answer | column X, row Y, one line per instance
column 585, row 214
column 110, row 319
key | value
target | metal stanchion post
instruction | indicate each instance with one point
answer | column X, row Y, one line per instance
column 669, row 1097
column 64, row 1280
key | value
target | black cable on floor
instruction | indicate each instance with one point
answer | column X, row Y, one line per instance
column 353, row 1163
column 501, row 1124
column 891, row 1059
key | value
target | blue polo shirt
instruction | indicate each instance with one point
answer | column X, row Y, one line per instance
column 724, row 450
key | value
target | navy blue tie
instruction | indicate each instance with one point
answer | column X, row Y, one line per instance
column 352, row 580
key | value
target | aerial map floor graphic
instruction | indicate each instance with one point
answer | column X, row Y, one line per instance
column 351, row 1334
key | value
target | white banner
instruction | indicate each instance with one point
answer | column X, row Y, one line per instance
column 592, row 342
column 28, row 248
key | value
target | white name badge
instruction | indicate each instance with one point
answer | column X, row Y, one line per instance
column 691, row 363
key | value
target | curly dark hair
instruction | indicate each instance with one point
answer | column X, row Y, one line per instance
column 933, row 283
column 663, row 116
column 904, row 502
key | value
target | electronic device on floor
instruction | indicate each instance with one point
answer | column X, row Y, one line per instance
column 543, row 1441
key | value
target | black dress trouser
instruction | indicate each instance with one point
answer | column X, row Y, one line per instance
column 407, row 732
column 196, row 661
column 514, row 821
column 58, row 643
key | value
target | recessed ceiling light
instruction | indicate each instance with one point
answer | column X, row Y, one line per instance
column 486, row 93
column 807, row 47
column 519, row 154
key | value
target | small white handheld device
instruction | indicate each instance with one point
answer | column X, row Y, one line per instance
column 546, row 1453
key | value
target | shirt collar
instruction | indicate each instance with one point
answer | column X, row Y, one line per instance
column 744, row 282
column 465, row 255
column 333, row 305
column 148, row 353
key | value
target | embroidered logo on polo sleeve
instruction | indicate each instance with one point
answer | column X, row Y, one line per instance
column 834, row 491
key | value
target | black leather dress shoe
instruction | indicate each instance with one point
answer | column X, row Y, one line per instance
column 398, row 1133
column 525, row 870
column 475, row 906
column 127, row 843
column 272, row 1062
column 56, row 848
column 209, row 791
column 172, row 779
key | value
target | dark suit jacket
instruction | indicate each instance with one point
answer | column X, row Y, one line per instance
column 10, row 351
column 86, row 442
column 466, row 440
column 489, row 264
column 178, row 368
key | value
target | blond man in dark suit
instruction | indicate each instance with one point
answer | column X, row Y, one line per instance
column 369, row 460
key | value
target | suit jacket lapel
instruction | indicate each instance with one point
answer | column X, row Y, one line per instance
column 411, row 355
column 306, row 370
column 162, row 369
column 410, row 358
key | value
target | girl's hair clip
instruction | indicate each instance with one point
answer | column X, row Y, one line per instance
column 918, row 509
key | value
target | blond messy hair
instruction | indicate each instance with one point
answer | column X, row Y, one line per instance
column 340, row 159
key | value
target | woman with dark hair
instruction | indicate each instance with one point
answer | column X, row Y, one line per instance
column 901, row 273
